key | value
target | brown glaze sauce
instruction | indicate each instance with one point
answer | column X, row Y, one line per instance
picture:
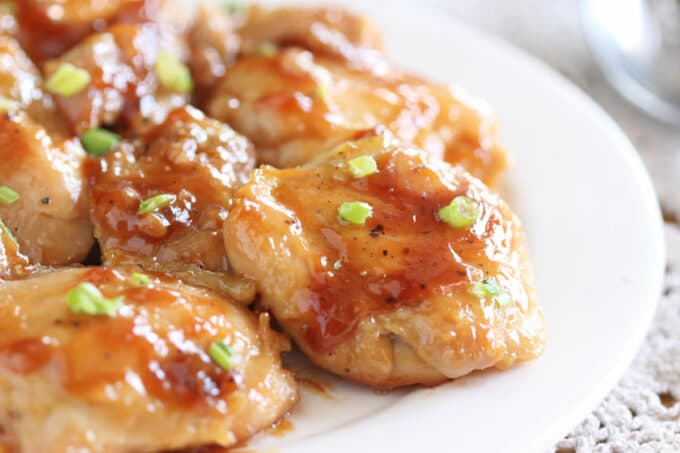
column 283, row 428
column 44, row 37
column 200, row 206
column 26, row 355
column 171, row 363
column 338, row 299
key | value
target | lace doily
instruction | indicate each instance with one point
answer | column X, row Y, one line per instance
column 642, row 413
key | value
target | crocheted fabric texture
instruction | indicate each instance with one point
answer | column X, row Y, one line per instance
column 642, row 414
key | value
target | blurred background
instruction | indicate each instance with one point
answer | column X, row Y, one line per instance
column 552, row 30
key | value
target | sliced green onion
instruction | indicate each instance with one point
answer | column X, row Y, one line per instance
column 156, row 203
column 462, row 212
column 337, row 265
column 490, row 288
column 234, row 6
column 7, row 231
column 8, row 105
column 8, row 196
column 267, row 49
column 355, row 212
column 320, row 91
column 362, row 166
column 173, row 74
column 87, row 299
column 68, row 80
column 98, row 142
column 139, row 279
column 221, row 354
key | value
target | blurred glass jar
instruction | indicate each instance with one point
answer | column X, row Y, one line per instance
column 637, row 43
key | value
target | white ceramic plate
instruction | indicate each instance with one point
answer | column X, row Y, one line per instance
column 596, row 240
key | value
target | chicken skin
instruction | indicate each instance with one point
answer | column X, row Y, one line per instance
column 48, row 28
column 330, row 31
column 294, row 105
column 409, row 272
column 124, row 85
column 214, row 46
column 195, row 160
column 21, row 87
column 50, row 219
column 167, row 367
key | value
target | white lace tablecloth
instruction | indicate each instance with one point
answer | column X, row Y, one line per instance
column 642, row 414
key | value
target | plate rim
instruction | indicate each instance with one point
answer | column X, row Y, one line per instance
column 600, row 389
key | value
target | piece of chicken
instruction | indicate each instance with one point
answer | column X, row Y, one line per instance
column 213, row 46
column 21, row 84
column 47, row 28
column 13, row 264
column 50, row 220
column 144, row 378
column 198, row 160
column 331, row 31
column 294, row 105
column 124, row 84
column 403, row 298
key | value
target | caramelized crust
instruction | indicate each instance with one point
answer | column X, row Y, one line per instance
column 200, row 161
column 387, row 303
column 294, row 105
column 330, row 31
column 50, row 220
column 140, row 381
column 48, row 28
column 124, row 89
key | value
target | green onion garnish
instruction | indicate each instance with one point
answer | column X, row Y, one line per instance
column 234, row 6
column 221, row 354
column 8, row 105
column 173, row 74
column 156, row 203
column 7, row 8
column 490, row 288
column 139, row 279
column 355, row 212
column 98, row 141
column 267, row 49
column 462, row 212
column 87, row 299
column 8, row 196
column 7, row 231
column 320, row 91
column 337, row 265
column 362, row 166
column 68, row 80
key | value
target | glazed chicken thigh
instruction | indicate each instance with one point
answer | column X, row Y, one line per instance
column 48, row 28
column 121, row 78
column 50, row 218
column 293, row 104
column 330, row 31
column 387, row 267
column 165, row 366
column 197, row 163
column 21, row 87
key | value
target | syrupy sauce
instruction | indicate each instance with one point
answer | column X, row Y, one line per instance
column 399, row 257
column 323, row 389
column 26, row 355
column 283, row 428
column 166, row 359
column 44, row 37
column 203, row 190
